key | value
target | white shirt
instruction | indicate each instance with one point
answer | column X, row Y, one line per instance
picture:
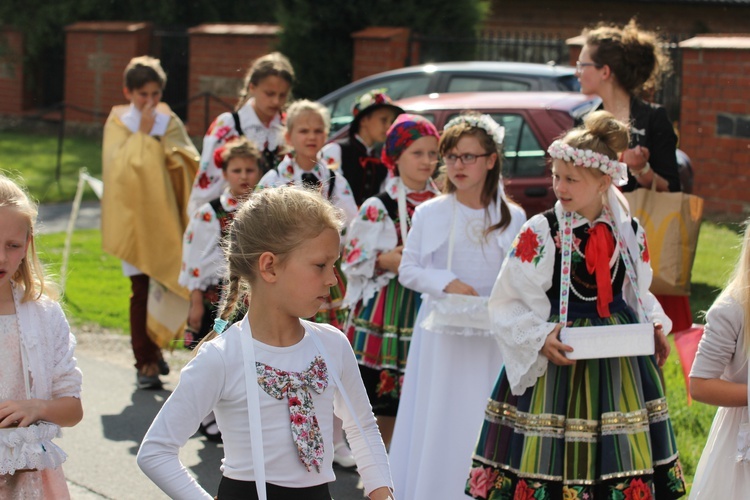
column 214, row 380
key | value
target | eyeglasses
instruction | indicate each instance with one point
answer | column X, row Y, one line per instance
column 580, row 65
column 466, row 159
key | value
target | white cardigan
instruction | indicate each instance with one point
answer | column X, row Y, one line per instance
column 49, row 345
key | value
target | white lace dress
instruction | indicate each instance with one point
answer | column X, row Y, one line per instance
column 448, row 377
column 33, row 484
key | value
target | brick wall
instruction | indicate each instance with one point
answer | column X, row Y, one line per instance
column 96, row 54
column 220, row 55
column 12, row 95
column 568, row 18
column 379, row 49
column 715, row 124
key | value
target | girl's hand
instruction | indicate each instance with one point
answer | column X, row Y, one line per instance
column 21, row 413
column 661, row 345
column 459, row 287
column 148, row 117
column 195, row 315
column 381, row 494
column 554, row 350
column 390, row 261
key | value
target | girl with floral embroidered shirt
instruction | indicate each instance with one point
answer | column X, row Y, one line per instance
column 258, row 116
column 41, row 384
column 453, row 251
column 274, row 380
column 597, row 427
column 383, row 311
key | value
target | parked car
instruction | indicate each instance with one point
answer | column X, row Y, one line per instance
column 475, row 76
column 532, row 120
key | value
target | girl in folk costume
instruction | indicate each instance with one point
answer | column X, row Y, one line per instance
column 452, row 255
column 307, row 127
column 202, row 257
column 273, row 380
column 41, row 384
column 359, row 153
column 589, row 421
column 383, row 311
column 258, row 117
column 720, row 377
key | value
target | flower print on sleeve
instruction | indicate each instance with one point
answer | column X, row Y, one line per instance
column 528, row 247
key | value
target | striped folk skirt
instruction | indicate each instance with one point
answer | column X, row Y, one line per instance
column 380, row 332
column 331, row 312
column 598, row 429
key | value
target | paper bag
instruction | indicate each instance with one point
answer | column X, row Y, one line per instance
column 167, row 314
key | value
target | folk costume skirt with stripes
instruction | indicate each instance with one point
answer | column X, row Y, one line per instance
column 380, row 331
column 331, row 311
column 598, row 429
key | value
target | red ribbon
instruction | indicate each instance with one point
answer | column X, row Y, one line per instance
column 599, row 250
column 368, row 162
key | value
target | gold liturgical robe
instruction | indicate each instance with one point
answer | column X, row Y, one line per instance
column 147, row 183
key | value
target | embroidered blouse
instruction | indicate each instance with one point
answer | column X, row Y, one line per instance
column 289, row 172
column 371, row 233
column 209, row 182
column 224, row 392
column 203, row 261
column 521, row 300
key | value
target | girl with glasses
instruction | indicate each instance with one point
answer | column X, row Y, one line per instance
column 452, row 255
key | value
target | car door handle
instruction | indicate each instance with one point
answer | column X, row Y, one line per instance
column 536, row 192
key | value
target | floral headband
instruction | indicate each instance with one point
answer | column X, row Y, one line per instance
column 590, row 159
column 485, row 122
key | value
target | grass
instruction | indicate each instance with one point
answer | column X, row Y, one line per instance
column 33, row 158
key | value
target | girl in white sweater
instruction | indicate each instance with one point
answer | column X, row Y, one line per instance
column 276, row 420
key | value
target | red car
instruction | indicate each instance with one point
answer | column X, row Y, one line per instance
column 532, row 120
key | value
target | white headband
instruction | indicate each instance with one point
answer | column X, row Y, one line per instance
column 485, row 122
column 587, row 158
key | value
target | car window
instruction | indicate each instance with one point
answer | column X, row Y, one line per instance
column 524, row 156
column 485, row 84
column 568, row 83
column 396, row 88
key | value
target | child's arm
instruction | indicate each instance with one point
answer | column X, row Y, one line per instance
column 374, row 469
column 519, row 306
column 372, row 235
column 344, row 198
column 194, row 397
column 717, row 348
column 65, row 412
column 415, row 271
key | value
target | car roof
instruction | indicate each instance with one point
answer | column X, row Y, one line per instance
column 561, row 101
column 520, row 68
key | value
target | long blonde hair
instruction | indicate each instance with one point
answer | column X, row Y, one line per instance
column 738, row 285
column 275, row 220
column 30, row 273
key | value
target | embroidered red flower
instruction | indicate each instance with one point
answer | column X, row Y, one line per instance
column 294, row 401
column 645, row 257
column 638, row 490
column 206, row 217
column 387, row 383
column 372, row 213
column 222, row 132
column 298, row 419
column 353, row 255
column 523, row 492
column 481, row 479
column 196, row 273
column 203, row 181
column 527, row 245
column 290, row 169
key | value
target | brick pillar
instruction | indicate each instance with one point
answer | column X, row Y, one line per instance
column 379, row 49
column 220, row 55
column 715, row 120
column 96, row 54
column 13, row 99
column 575, row 45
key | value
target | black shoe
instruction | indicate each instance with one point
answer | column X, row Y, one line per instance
column 148, row 382
column 211, row 431
column 163, row 367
